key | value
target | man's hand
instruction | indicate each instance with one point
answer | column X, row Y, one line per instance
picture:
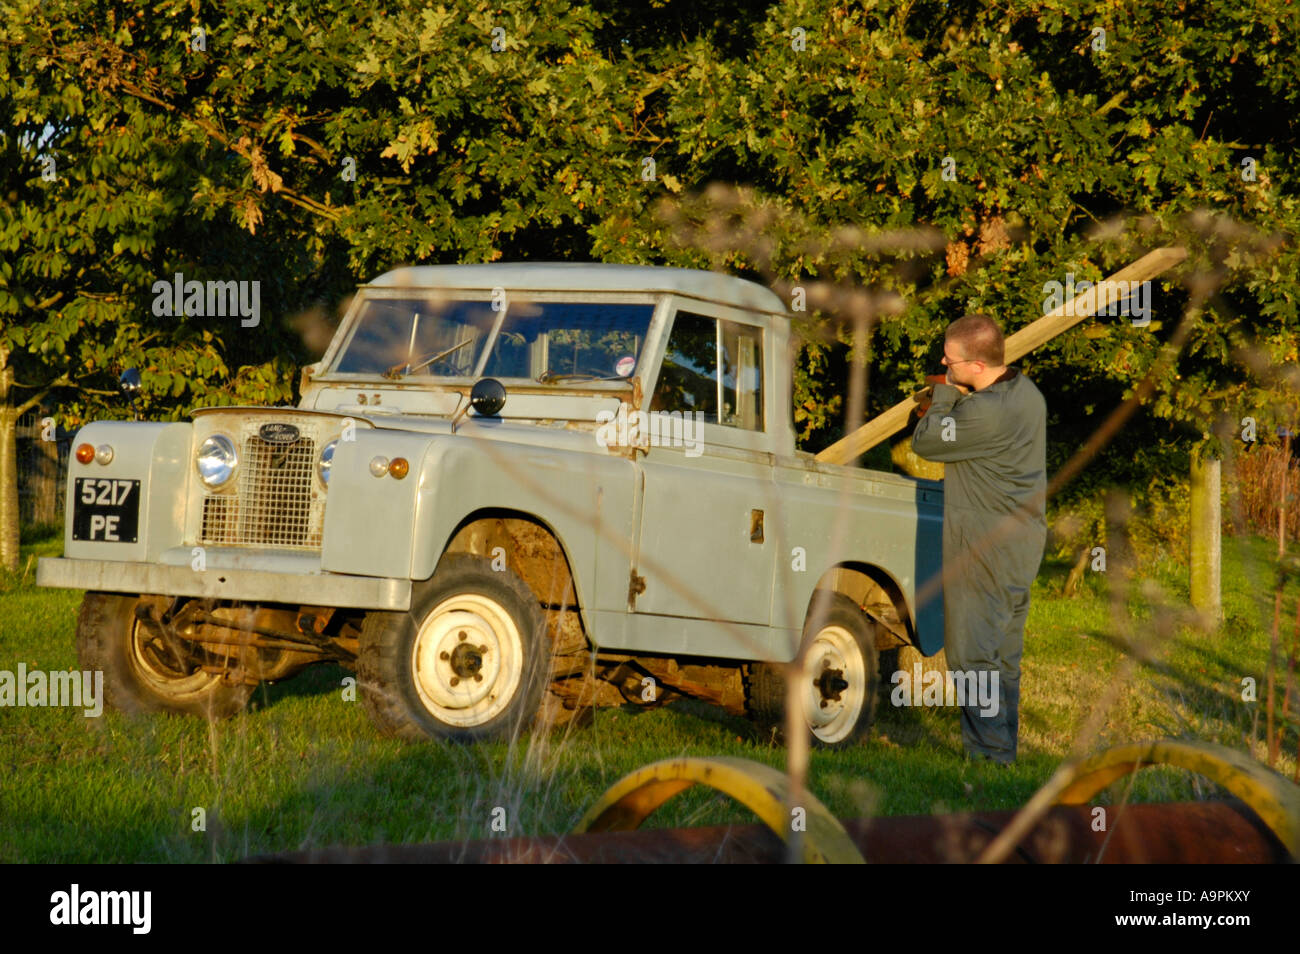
column 923, row 399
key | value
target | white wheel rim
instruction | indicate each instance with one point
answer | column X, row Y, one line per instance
column 468, row 660
column 834, row 650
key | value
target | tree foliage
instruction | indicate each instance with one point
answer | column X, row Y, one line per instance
column 313, row 145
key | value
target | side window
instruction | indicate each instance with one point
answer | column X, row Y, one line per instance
column 689, row 380
column 742, row 376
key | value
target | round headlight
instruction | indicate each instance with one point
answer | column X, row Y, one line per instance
column 326, row 459
column 216, row 460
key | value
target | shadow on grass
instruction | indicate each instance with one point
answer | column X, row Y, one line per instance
column 318, row 679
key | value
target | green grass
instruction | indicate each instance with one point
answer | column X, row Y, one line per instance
column 304, row 768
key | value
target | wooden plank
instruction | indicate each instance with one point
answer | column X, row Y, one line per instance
column 1074, row 311
column 1099, row 298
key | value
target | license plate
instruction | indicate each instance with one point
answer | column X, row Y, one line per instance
column 106, row 510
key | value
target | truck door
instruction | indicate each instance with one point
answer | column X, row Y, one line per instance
column 703, row 551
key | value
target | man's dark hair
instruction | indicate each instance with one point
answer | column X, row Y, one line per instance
column 980, row 339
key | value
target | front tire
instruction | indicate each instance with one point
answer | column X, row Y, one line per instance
column 840, row 681
column 466, row 663
column 140, row 673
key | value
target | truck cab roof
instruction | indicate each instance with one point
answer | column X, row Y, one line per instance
column 588, row 277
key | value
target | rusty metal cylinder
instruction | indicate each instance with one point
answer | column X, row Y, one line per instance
column 1216, row 832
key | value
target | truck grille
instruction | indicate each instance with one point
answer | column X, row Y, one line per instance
column 276, row 502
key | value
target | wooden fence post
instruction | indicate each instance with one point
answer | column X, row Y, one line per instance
column 1205, row 531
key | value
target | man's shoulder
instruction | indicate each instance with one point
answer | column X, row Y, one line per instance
column 1013, row 384
column 1022, row 387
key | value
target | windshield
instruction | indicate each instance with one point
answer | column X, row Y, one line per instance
column 544, row 340
column 538, row 340
column 397, row 335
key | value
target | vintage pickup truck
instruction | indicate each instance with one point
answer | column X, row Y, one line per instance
column 508, row 492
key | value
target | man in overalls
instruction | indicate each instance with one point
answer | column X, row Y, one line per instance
column 988, row 424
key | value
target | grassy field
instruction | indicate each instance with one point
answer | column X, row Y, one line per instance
column 303, row 768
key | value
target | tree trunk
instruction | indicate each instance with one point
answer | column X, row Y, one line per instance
column 9, row 522
column 1076, row 573
column 10, row 412
column 11, row 409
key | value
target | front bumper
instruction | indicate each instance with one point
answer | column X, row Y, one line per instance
column 247, row 585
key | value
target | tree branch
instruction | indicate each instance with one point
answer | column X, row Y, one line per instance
column 31, row 402
column 290, row 195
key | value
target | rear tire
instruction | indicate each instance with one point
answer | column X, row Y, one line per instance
column 140, row 673
column 840, row 679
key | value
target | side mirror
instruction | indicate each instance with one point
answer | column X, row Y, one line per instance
column 129, row 385
column 487, row 397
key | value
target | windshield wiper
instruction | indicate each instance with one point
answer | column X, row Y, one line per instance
column 548, row 377
column 393, row 371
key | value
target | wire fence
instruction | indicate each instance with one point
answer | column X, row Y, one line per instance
column 1267, row 476
column 42, row 452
